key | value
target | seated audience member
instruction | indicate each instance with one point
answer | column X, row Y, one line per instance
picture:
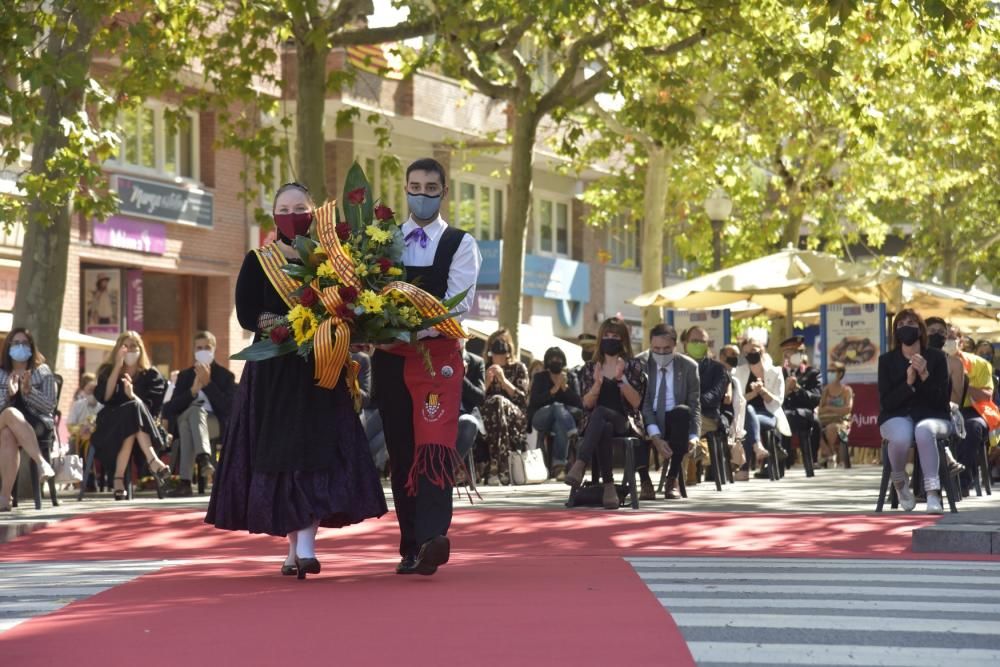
column 588, row 346
column 550, row 408
column 470, row 421
column 802, row 393
column 671, row 409
column 977, row 386
column 504, row 410
column 613, row 384
column 131, row 390
column 83, row 413
column 713, row 377
column 763, row 387
column 371, row 419
column 913, row 388
column 734, row 409
column 27, row 403
column 835, row 408
column 984, row 349
column 203, row 393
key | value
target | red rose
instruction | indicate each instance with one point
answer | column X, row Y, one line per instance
column 348, row 294
column 345, row 312
column 343, row 231
column 385, row 264
column 309, row 297
column 356, row 197
column 279, row 334
column 383, row 213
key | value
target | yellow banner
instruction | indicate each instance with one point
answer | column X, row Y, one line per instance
column 271, row 260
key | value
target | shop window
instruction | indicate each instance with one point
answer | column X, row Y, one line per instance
column 553, row 224
column 478, row 209
column 386, row 181
column 623, row 244
column 159, row 142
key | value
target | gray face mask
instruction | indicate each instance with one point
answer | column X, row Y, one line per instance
column 423, row 207
column 662, row 359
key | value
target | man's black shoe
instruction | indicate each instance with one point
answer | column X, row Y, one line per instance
column 407, row 566
column 433, row 553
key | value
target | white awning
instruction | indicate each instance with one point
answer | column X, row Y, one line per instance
column 531, row 339
column 65, row 335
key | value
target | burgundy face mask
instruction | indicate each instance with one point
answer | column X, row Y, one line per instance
column 293, row 224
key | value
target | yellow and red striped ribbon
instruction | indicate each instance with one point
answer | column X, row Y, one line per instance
column 326, row 232
column 271, row 260
column 426, row 305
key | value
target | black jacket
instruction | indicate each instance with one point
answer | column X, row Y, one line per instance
column 541, row 394
column 714, row 382
column 474, row 384
column 810, row 389
column 220, row 392
column 922, row 400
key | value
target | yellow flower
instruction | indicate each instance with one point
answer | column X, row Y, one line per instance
column 303, row 323
column 395, row 271
column 361, row 270
column 410, row 315
column 325, row 270
column 347, row 251
column 376, row 234
column 371, row 301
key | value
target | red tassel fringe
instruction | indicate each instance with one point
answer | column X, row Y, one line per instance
column 435, row 462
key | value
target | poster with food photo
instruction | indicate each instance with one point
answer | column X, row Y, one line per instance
column 854, row 335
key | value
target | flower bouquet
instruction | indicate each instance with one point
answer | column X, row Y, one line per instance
column 349, row 288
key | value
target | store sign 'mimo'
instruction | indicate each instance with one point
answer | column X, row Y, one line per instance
column 160, row 201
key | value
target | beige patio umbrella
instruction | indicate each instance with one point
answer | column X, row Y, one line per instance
column 788, row 281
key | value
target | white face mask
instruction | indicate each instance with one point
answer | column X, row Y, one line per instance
column 796, row 359
column 951, row 346
column 204, row 356
column 131, row 358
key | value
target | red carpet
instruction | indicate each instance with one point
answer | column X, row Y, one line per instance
column 524, row 587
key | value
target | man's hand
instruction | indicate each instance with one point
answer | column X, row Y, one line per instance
column 662, row 448
column 792, row 384
column 202, row 374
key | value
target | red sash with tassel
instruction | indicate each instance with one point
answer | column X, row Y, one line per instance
column 437, row 401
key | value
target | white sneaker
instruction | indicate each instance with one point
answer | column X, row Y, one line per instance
column 906, row 499
column 934, row 503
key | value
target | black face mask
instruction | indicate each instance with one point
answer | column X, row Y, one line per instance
column 587, row 355
column 753, row 357
column 731, row 361
column 556, row 366
column 499, row 347
column 611, row 346
column 936, row 340
column 908, row 335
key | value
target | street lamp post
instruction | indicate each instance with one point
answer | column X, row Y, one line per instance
column 718, row 206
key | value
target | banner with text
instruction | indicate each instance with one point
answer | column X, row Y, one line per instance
column 715, row 322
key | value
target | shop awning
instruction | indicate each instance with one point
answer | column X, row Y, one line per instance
column 65, row 335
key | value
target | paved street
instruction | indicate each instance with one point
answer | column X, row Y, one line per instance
column 800, row 571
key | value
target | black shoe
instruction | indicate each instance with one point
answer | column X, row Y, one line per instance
column 305, row 566
column 183, row 490
column 762, row 474
column 433, row 554
column 289, row 570
column 408, row 565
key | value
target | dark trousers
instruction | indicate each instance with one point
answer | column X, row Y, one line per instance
column 677, row 423
column 428, row 514
column 799, row 421
column 975, row 433
column 603, row 425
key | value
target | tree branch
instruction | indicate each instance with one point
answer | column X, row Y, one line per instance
column 551, row 99
column 479, row 80
column 678, row 46
column 579, row 94
column 617, row 126
column 393, row 33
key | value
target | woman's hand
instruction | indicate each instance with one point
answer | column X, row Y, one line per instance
column 619, row 369
column 12, row 383
column 920, row 364
column 25, row 383
column 120, row 356
column 127, row 384
column 911, row 375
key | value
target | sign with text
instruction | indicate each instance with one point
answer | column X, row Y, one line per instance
column 715, row 322
column 485, row 305
column 853, row 334
column 162, row 201
column 125, row 233
column 556, row 278
column 864, row 417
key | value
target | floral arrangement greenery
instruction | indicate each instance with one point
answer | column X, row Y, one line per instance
column 350, row 287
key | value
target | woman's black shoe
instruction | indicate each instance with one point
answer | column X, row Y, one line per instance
column 121, row 494
column 408, row 565
column 289, row 570
column 306, row 566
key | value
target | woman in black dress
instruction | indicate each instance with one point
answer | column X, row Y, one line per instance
column 295, row 455
column 132, row 393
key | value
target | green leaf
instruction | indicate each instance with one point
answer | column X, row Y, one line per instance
column 358, row 216
column 305, row 246
column 455, row 300
column 298, row 271
column 264, row 349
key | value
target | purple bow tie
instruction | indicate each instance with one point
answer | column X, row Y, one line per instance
column 417, row 234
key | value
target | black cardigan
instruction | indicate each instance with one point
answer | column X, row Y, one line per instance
column 922, row 400
column 541, row 394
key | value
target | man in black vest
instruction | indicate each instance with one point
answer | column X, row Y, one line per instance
column 803, row 389
column 443, row 261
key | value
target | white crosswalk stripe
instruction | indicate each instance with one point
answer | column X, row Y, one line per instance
column 786, row 611
column 33, row 589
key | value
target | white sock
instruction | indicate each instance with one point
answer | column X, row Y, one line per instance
column 292, row 539
column 305, row 546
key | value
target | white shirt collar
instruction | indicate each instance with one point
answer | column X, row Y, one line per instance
column 433, row 229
